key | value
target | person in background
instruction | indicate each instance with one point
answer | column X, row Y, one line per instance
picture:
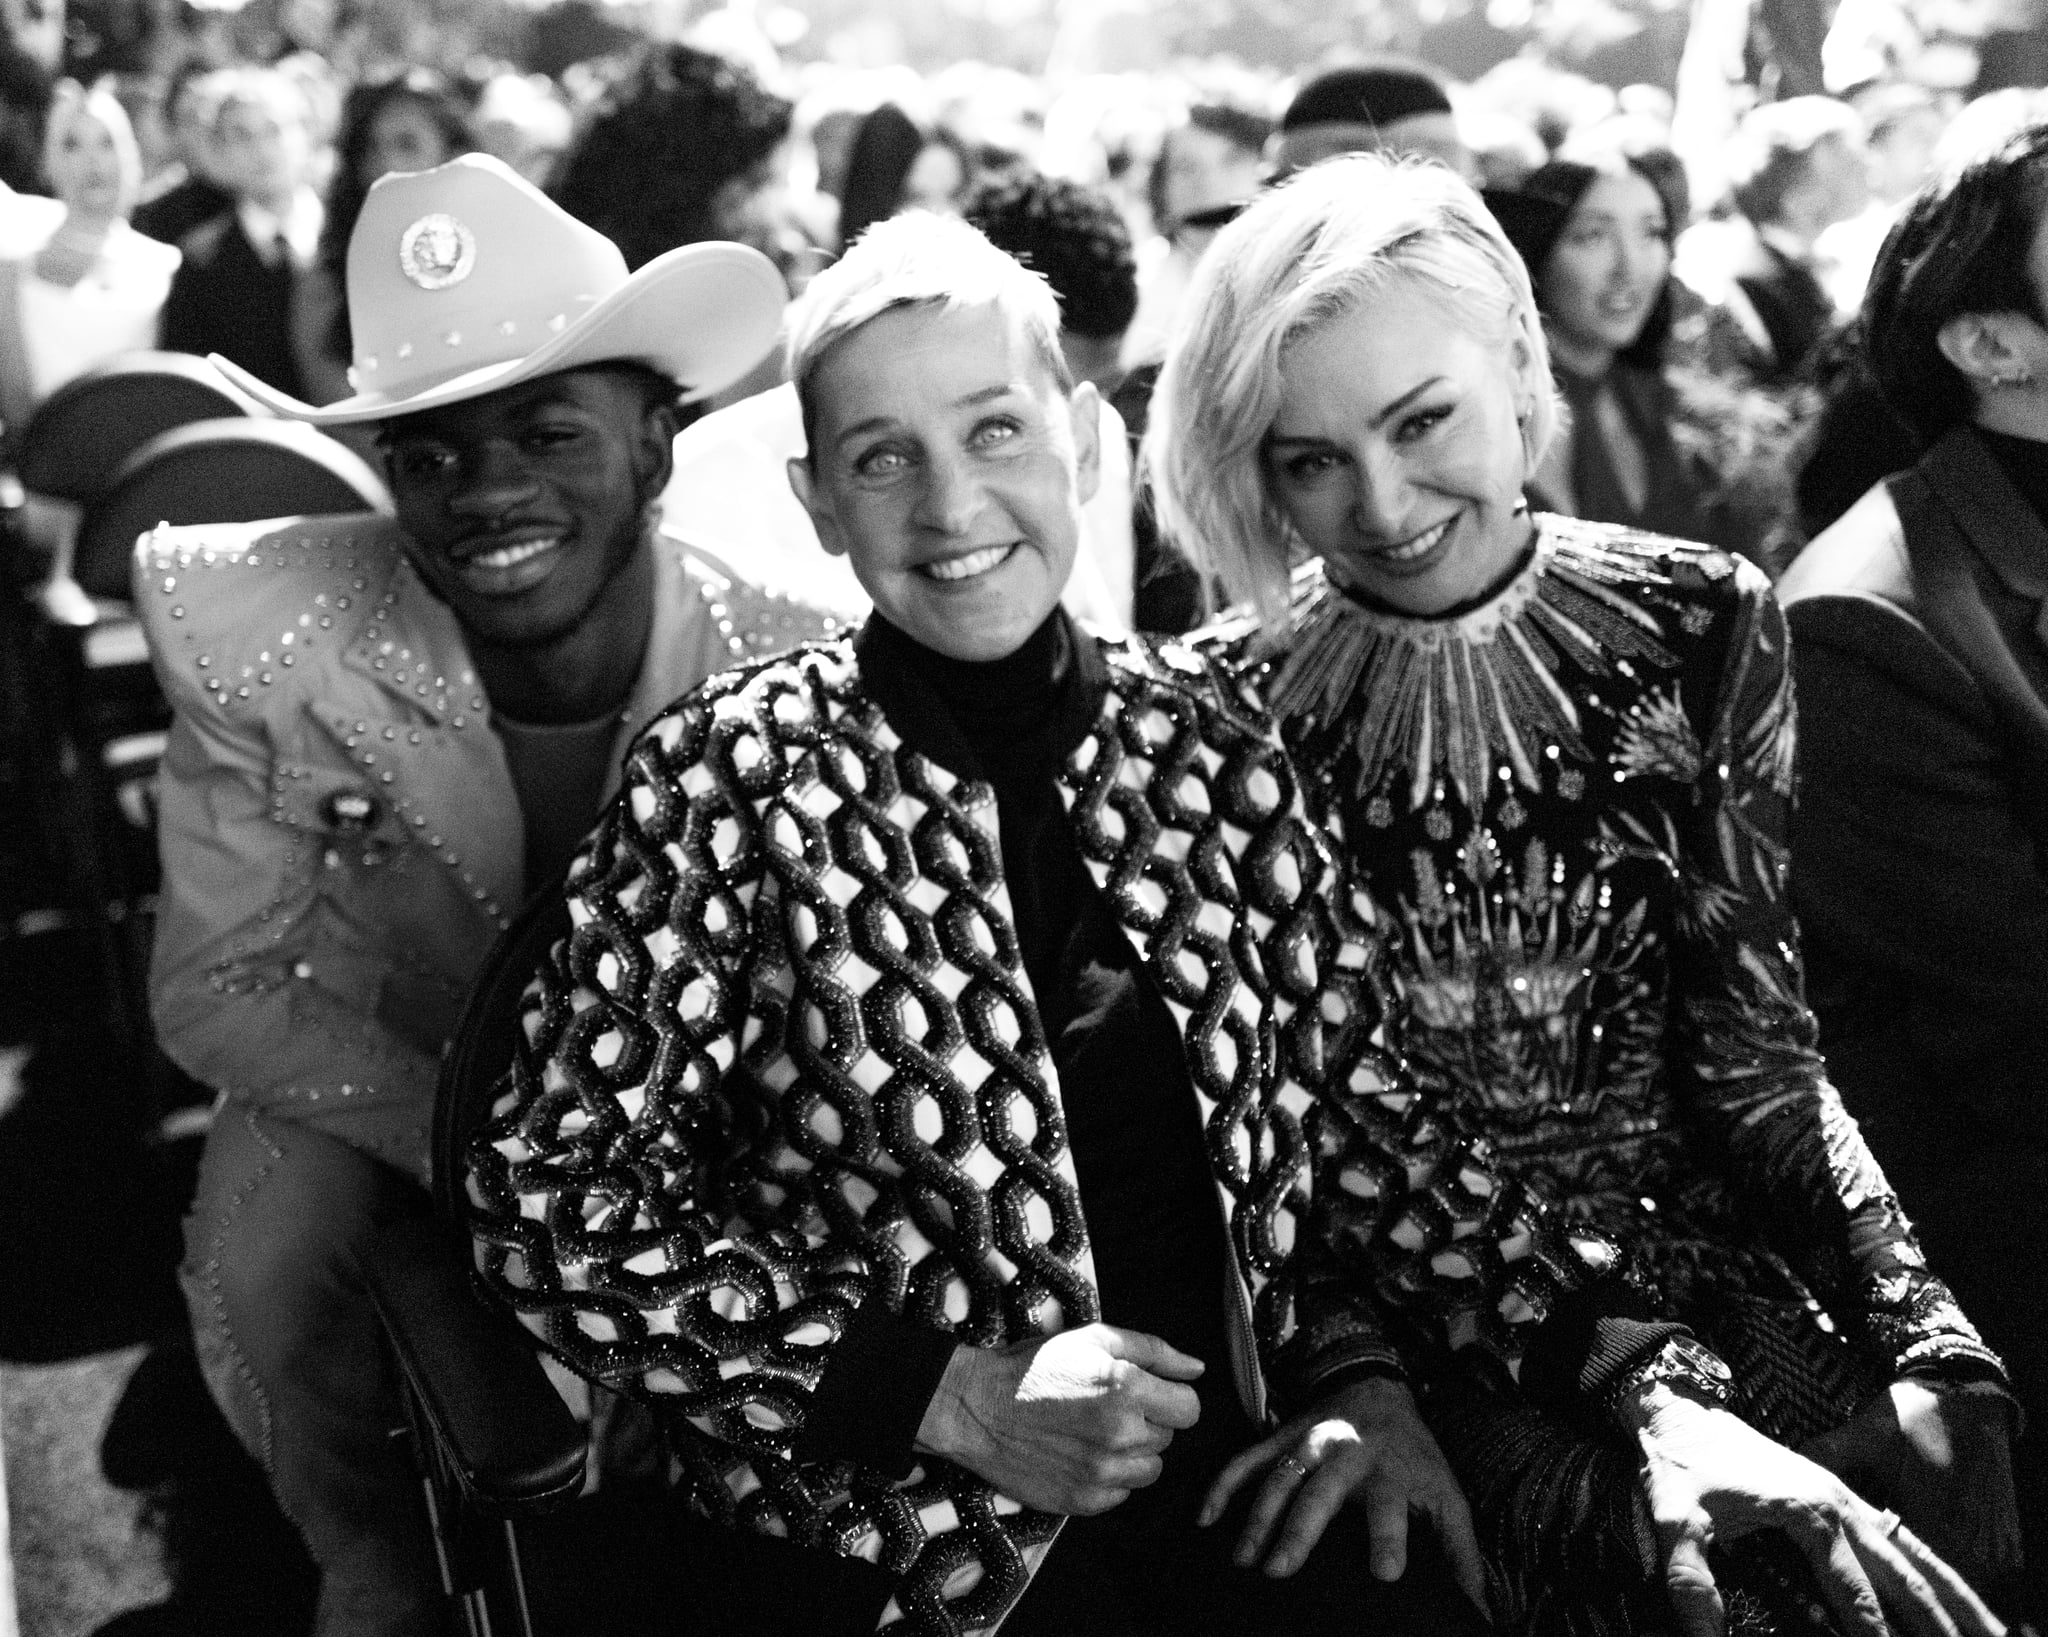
column 191, row 189
column 1920, row 842
column 235, row 290
column 896, row 164
column 388, row 732
column 1795, row 169
column 1558, row 756
column 1211, row 162
column 93, row 289
column 1903, row 124
column 409, row 120
column 1388, row 106
column 1642, row 446
column 1076, row 239
column 96, row 287
column 521, row 119
column 682, row 146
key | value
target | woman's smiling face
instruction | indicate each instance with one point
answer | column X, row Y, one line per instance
column 1398, row 452
column 1602, row 280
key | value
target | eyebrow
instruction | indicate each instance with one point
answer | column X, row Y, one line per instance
column 1378, row 420
column 877, row 423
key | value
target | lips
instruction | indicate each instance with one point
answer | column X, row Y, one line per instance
column 968, row 565
column 498, row 567
column 1415, row 547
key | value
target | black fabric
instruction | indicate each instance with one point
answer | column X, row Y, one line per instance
column 180, row 208
column 225, row 298
column 1796, row 312
column 1595, row 1337
column 2024, row 461
column 1671, row 495
column 1155, row 1222
column 1377, row 94
column 868, row 1406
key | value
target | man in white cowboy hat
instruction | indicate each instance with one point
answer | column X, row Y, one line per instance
column 388, row 731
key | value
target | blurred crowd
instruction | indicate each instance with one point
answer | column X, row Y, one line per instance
column 1698, row 255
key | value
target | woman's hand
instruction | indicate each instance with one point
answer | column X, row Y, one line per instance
column 1711, row 1476
column 1366, row 1440
column 1069, row 1423
column 1942, row 1459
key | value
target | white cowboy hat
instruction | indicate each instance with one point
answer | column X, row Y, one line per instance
column 466, row 279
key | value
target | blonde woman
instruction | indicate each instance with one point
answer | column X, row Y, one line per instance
column 1556, row 756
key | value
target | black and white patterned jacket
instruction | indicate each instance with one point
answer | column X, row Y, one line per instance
column 788, row 1064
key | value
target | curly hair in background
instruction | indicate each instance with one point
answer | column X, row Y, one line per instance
column 1076, row 238
column 673, row 147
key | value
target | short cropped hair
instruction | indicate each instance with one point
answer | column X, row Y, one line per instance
column 1315, row 249
column 918, row 259
column 270, row 89
column 1773, row 148
column 1961, row 247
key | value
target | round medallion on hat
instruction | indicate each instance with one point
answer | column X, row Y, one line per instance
column 437, row 251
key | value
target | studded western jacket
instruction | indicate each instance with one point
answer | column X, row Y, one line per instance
column 340, row 835
column 789, row 1064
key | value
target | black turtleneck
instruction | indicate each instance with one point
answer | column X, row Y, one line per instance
column 1155, row 1223
column 2025, row 462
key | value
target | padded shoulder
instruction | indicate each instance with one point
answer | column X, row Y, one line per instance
column 218, row 598
column 754, row 621
column 1861, row 554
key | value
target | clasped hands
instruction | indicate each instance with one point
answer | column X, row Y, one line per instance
column 1072, row 1423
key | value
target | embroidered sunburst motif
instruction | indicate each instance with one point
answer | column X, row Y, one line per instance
column 1657, row 738
column 1461, row 697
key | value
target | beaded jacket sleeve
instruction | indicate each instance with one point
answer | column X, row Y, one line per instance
column 1568, row 805
column 787, row 1069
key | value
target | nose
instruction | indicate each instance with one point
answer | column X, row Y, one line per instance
column 949, row 495
column 491, row 482
column 1382, row 498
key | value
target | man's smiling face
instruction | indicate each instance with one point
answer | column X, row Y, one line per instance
column 950, row 467
column 520, row 508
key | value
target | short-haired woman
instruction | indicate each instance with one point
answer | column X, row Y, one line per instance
column 1921, row 832
column 1557, row 757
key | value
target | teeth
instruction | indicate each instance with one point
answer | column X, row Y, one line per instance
column 506, row 556
column 965, row 568
column 1408, row 551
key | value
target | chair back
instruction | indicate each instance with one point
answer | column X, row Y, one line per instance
column 481, row 1050
column 81, row 434
column 218, row 471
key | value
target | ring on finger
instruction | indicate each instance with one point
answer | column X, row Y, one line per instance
column 1297, row 1467
column 1888, row 1522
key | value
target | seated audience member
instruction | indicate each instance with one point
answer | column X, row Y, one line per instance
column 727, row 489
column 95, row 287
column 1921, row 832
column 388, row 732
column 874, row 1124
column 1645, row 447
column 896, row 164
column 1902, row 126
column 235, row 291
column 1390, row 106
column 1796, row 169
column 408, row 121
column 1206, row 166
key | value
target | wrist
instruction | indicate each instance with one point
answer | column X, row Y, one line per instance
column 1681, row 1371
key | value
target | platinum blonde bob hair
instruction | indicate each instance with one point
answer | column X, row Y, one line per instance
column 1319, row 246
column 918, row 259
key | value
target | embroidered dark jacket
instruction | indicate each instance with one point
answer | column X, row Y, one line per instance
column 789, row 1068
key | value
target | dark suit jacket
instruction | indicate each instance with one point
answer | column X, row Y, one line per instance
column 225, row 298
column 1920, row 846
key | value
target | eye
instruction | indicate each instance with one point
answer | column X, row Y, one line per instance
column 546, row 435
column 1309, row 465
column 884, row 460
column 1421, row 423
column 423, row 461
column 995, row 431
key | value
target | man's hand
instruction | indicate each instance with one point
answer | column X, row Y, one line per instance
column 1711, row 1476
column 1069, row 1423
column 1942, row 1460
column 1366, row 1440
